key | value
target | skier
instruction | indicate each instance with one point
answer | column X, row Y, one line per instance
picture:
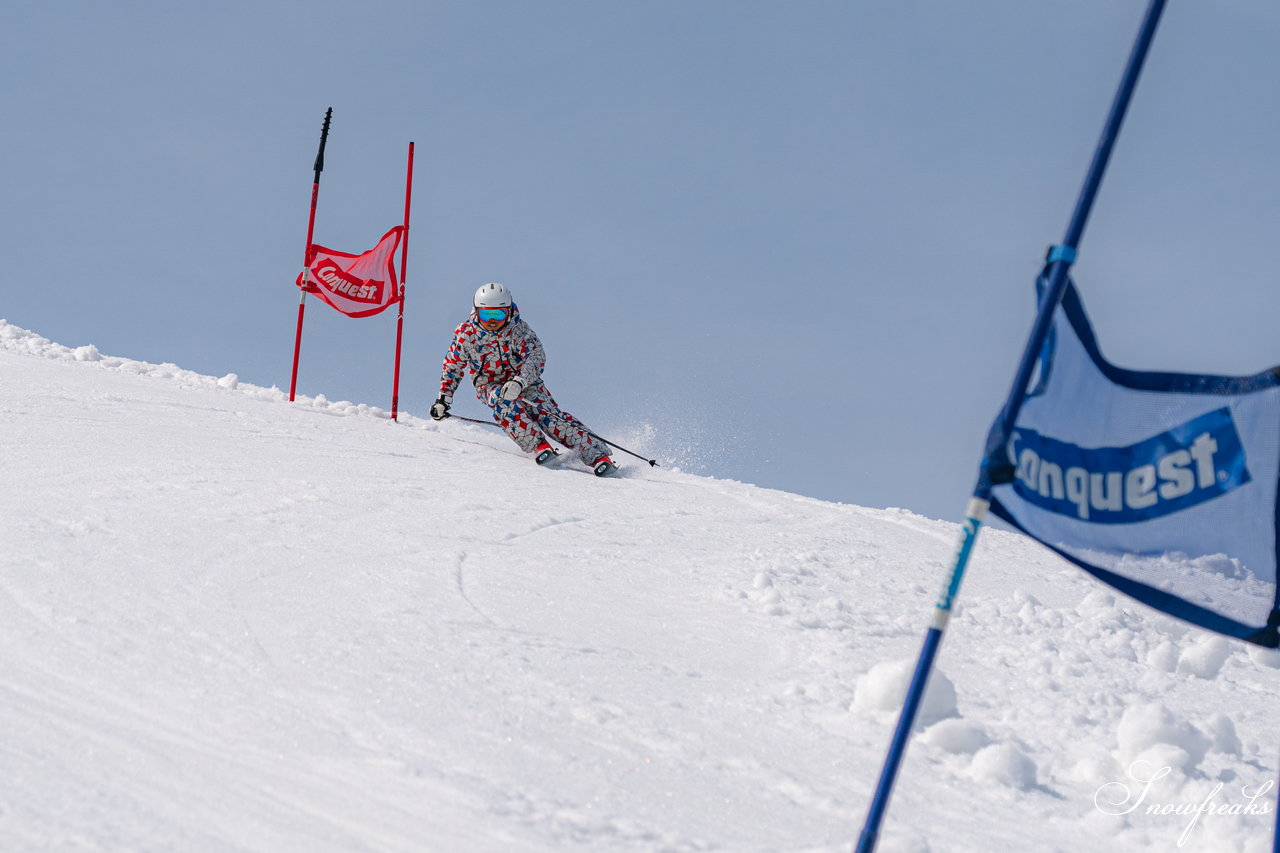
column 506, row 361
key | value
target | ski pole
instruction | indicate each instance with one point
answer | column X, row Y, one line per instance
column 472, row 420
column 652, row 462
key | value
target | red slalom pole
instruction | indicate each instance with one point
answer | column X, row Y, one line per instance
column 404, row 259
column 306, row 259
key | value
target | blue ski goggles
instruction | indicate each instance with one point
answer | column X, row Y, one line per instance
column 490, row 314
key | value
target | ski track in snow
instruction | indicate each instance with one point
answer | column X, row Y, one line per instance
column 235, row 623
column 461, row 562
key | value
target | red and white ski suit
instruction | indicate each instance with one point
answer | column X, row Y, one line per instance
column 514, row 352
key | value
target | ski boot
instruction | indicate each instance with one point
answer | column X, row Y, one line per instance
column 545, row 453
column 603, row 466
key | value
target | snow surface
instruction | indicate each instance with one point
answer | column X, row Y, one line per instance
column 232, row 623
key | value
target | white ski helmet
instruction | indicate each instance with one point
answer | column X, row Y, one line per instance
column 492, row 295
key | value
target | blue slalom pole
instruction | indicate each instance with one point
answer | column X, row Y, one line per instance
column 924, row 666
column 995, row 467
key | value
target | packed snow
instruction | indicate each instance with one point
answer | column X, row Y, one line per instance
column 235, row 623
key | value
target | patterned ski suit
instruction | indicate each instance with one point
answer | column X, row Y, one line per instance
column 514, row 352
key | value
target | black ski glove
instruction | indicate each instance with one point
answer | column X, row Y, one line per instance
column 440, row 409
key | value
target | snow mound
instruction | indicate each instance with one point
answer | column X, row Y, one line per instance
column 884, row 688
column 1004, row 764
column 1206, row 657
column 1163, row 657
column 1269, row 658
column 956, row 736
column 1153, row 733
column 1223, row 732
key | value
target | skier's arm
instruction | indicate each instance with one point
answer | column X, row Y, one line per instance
column 453, row 369
column 533, row 358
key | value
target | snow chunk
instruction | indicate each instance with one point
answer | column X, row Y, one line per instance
column 1163, row 657
column 1004, row 764
column 1269, row 658
column 1156, row 734
column 884, row 688
column 230, row 382
column 86, row 353
column 956, row 736
column 1096, row 769
column 1223, row 732
column 1205, row 658
column 1098, row 603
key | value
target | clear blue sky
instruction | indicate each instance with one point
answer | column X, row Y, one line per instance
column 799, row 239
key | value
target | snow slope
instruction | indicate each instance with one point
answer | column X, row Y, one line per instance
column 231, row 623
